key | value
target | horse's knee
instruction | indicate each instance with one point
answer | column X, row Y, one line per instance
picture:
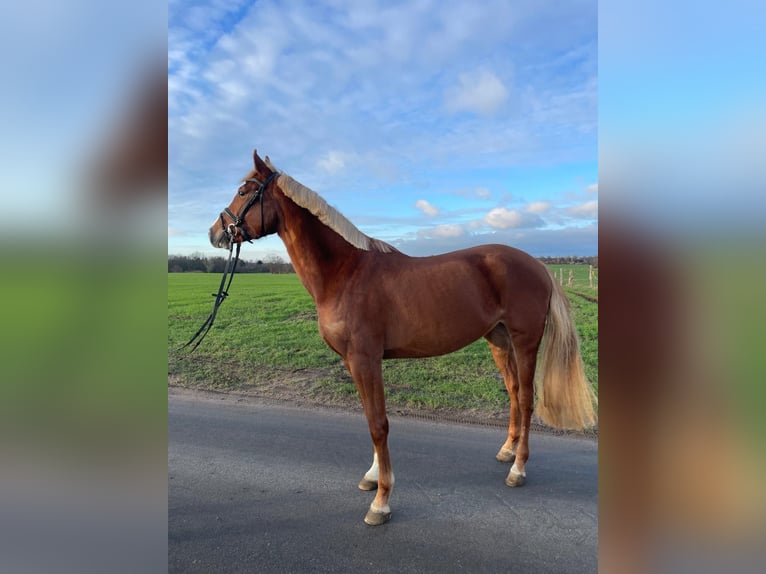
column 379, row 430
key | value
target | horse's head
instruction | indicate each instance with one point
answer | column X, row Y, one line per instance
column 251, row 214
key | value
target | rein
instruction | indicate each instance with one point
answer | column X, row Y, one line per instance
column 219, row 297
column 231, row 264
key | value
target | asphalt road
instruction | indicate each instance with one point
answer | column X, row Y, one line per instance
column 256, row 488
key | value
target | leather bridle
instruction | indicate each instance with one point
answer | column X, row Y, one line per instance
column 232, row 230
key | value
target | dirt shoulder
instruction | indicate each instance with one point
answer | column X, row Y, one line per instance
column 289, row 393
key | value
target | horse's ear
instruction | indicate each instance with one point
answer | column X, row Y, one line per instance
column 259, row 165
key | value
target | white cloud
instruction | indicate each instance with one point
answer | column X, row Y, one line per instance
column 481, row 92
column 503, row 218
column 447, row 230
column 592, row 188
column 333, row 162
column 587, row 210
column 426, row 207
column 538, row 207
column 474, row 193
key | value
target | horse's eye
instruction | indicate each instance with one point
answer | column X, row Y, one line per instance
column 242, row 192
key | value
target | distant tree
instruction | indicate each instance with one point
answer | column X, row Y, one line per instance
column 215, row 264
column 570, row 259
column 278, row 265
column 196, row 262
column 175, row 264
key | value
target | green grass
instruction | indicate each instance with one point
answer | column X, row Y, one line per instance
column 78, row 350
column 586, row 321
column 580, row 282
column 268, row 323
column 584, row 300
column 265, row 341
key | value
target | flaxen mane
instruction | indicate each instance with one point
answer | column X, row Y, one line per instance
column 331, row 217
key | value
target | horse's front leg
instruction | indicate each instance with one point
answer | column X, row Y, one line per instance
column 367, row 373
column 370, row 479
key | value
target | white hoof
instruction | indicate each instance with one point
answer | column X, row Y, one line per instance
column 516, row 477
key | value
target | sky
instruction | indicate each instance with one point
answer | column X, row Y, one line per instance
column 433, row 125
column 71, row 70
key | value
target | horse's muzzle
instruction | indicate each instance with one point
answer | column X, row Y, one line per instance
column 219, row 237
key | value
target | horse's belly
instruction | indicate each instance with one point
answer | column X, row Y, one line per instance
column 435, row 338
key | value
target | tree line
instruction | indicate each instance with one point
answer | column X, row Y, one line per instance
column 571, row 260
column 198, row 263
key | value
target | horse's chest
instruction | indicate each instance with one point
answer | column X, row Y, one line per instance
column 334, row 332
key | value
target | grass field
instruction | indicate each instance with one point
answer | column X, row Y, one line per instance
column 265, row 342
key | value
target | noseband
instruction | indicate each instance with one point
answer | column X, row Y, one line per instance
column 237, row 220
column 231, row 264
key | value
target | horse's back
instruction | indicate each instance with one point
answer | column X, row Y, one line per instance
column 435, row 305
column 502, row 267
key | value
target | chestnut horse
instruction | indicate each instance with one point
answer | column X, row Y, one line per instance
column 375, row 303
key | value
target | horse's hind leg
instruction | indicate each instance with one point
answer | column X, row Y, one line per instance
column 502, row 352
column 525, row 346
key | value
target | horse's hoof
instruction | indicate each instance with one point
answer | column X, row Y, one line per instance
column 505, row 455
column 367, row 484
column 376, row 517
column 515, row 479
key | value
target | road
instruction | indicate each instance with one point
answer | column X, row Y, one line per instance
column 258, row 488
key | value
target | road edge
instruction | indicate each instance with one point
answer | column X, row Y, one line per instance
column 468, row 419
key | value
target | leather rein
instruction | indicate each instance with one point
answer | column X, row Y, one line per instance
column 233, row 229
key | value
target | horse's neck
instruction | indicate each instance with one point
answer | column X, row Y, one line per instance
column 319, row 255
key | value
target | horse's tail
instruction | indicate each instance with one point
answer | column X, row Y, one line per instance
column 565, row 398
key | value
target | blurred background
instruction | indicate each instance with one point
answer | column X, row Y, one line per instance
column 83, row 402
column 682, row 109
column 83, row 215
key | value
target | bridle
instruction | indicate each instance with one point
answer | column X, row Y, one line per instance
column 233, row 229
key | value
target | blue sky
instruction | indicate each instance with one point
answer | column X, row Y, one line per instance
column 434, row 125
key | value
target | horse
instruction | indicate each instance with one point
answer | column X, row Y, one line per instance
column 374, row 302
